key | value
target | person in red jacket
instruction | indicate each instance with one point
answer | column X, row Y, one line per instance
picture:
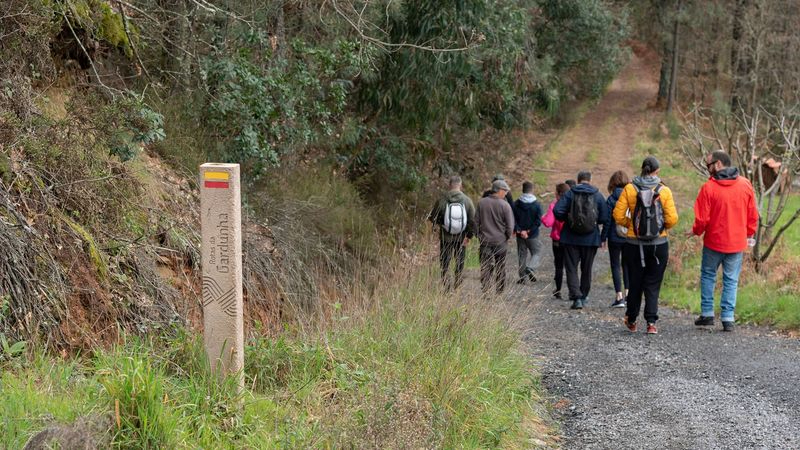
column 726, row 216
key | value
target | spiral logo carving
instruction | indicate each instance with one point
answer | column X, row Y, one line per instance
column 213, row 293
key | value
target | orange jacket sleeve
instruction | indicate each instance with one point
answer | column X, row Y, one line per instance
column 623, row 205
column 670, row 211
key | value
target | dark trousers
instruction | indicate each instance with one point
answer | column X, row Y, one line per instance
column 575, row 257
column 619, row 268
column 558, row 261
column 493, row 266
column 645, row 280
column 452, row 250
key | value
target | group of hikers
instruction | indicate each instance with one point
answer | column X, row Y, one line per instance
column 633, row 223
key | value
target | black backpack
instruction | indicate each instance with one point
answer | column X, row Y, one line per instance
column 648, row 215
column 583, row 214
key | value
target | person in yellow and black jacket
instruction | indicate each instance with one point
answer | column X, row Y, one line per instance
column 647, row 209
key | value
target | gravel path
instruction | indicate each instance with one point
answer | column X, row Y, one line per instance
column 685, row 388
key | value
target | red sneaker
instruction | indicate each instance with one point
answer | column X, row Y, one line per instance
column 651, row 328
column 631, row 325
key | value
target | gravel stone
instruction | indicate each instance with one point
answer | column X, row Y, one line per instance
column 684, row 388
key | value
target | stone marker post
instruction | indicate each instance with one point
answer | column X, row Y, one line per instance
column 221, row 225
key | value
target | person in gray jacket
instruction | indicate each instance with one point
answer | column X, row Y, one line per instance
column 454, row 215
column 495, row 221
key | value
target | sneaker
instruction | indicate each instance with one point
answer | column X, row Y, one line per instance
column 557, row 295
column 631, row 325
column 521, row 281
column 576, row 304
column 651, row 328
column 727, row 326
column 532, row 277
column 619, row 303
column 704, row 321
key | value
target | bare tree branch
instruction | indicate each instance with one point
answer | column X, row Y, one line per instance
column 752, row 140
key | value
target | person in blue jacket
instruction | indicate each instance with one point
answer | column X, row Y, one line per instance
column 583, row 209
column 615, row 240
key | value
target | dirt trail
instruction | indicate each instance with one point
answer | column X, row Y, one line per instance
column 603, row 140
column 685, row 388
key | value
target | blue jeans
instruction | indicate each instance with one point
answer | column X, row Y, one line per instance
column 731, row 267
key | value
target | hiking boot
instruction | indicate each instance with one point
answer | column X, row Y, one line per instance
column 704, row 321
column 577, row 304
column 521, row 281
column 532, row 278
column 557, row 295
column 631, row 325
column 651, row 328
column 727, row 326
column 619, row 303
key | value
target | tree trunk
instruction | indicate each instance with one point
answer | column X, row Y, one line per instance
column 738, row 66
column 673, row 77
column 660, row 7
column 663, row 79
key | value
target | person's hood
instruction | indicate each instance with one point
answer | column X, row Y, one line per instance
column 726, row 176
column 617, row 193
column 584, row 188
column 455, row 197
column 527, row 198
column 647, row 182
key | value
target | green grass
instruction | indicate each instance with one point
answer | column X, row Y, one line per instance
column 473, row 255
column 757, row 301
column 418, row 370
column 792, row 235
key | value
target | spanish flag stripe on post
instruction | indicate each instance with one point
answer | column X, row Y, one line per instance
column 216, row 180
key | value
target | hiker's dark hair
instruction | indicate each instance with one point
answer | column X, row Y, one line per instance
column 618, row 179
column 584, row 175
column 649, row 165
column 561, row 189
column 527, row 187
column 571, row 183
column 721, row 156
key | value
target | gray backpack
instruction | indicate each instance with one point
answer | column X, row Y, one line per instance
column 648, row 215
column 455, row 218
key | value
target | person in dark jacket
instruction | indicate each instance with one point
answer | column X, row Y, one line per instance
column 527, row 220
column 615, row 237
column 495, row 221
column 580, row 249
column 453, row 246
column 489, row 192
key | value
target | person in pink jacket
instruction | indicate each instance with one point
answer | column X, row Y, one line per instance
column 550, row 221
